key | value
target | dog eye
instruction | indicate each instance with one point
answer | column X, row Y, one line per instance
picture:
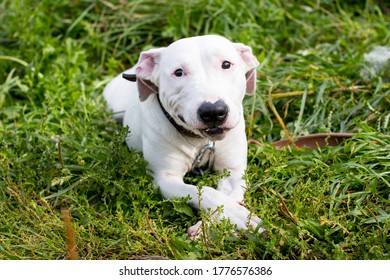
column 178, row 72
column 226, row 65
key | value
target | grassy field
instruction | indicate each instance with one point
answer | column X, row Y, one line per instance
column 60, row 152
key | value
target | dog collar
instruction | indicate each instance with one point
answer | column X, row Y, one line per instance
column 179, row 128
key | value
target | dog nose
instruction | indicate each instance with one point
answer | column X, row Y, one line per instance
column 213, row 114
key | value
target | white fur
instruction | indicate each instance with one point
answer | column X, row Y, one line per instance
column 171, row 154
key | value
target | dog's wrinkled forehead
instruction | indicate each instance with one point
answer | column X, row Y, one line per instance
column 201, row 49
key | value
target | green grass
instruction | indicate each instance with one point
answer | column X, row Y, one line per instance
column 59, row 148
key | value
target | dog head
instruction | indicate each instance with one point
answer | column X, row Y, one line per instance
column 201, row 82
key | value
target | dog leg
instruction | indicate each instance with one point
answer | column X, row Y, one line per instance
column 233, row 186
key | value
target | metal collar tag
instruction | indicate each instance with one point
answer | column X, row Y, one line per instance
column 208, row 149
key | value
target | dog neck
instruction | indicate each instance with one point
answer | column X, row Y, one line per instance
column 179, row 128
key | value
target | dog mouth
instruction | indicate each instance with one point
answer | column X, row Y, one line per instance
column 213, row 130
column 214, row 133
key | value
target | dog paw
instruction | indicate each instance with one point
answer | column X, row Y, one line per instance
column 239, row 215
column 195, row 231
column 225, row 207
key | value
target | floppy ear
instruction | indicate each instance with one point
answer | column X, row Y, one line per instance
column 146, row 71
column 251, row 64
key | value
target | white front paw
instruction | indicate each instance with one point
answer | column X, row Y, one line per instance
column 195, row 230
column 241, row 216
column 231, row 209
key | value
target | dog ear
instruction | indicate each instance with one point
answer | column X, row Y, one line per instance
column 146, row 70
column 251, row 64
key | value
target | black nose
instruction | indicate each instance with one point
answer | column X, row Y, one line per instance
column 213, row 114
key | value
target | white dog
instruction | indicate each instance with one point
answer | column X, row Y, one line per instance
column 188, row 110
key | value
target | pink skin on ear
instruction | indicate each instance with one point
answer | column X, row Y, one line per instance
column 251, row 63
column 145, row 70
